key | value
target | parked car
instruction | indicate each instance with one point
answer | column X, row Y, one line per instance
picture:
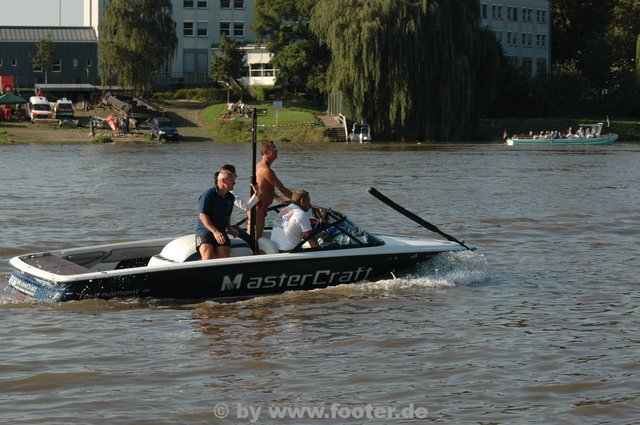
column 39, row 108
column 63, row 108
column 162, row 129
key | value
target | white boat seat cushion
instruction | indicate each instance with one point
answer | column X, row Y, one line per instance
column 183, row 249
column 267, row 246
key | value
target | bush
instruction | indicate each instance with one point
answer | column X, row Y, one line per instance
column 102, row 139
column 203, row 94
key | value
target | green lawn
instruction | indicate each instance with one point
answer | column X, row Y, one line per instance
column 296, row 122
column 3, row 136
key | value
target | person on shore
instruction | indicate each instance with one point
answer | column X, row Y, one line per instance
column 268, row 182
column 215, row 206
column 293, row 223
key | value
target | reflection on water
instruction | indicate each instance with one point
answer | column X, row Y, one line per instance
column 539, row 325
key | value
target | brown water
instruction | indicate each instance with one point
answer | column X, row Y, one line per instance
column 540, row 325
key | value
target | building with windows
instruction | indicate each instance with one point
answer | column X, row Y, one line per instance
column 523, row 27
column 75, row 51
column 200, row 25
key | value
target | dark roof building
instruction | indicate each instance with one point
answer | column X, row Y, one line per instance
column 75, row 48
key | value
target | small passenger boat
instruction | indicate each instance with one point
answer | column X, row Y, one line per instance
column 172, row 268
column 591, row 135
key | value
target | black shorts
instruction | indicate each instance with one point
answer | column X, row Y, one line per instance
column 209, row 238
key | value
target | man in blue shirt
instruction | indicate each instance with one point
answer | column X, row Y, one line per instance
column 214, row 219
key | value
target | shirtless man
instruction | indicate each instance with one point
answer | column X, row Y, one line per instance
column 268, row 182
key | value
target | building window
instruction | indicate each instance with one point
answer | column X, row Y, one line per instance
column 483, row 10
column 512, row 38
column 238, row 29
column 262, row 70
column 527, row 13
column 1, row 62
column 187, row 28
column 526, row 65
column 203, row 29
column 203, row 4
column 541, row 66
column 74, row 63
column 526, row 39
column 57, row 66
column 89, row 62
column 499, row 36
column 225, row 29
column 14, row 62
column 225, row 4
column 541, row 16
column 512, row 13
column 497, row 11
column 541, row 40
column 238, row 4
column 187, row 4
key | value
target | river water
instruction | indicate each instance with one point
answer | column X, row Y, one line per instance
column 539, row 325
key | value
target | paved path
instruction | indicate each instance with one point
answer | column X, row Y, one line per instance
column 329, row 121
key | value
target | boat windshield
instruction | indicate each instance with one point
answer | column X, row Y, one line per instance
column 332, row 230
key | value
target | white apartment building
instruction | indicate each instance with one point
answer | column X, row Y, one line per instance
column 200, row 25
column 523, row 27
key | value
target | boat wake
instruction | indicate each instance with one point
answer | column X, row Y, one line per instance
column 445, row 270
column 452, row 269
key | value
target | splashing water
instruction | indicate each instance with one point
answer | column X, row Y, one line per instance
column 445, row 270
column 456, row 268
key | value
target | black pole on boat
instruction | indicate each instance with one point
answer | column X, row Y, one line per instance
column 254, row 180
column 412, row 216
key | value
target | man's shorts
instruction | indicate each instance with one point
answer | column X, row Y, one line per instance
column 209, row 238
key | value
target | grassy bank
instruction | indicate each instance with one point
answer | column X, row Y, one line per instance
column 296, row 121
column 493, row 129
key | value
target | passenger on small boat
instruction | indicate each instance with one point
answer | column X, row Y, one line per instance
column 268, row 182
column 293, row 223
column 215, row 206
column 241, row 204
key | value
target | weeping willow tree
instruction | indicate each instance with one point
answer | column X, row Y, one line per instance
column 638, row 61
column 415, row 70
column 136, row 38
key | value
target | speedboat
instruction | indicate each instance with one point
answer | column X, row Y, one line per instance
column 591, row 135
column 172, row 268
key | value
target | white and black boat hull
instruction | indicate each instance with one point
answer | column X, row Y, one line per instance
column 219, row 281
column 236, row 277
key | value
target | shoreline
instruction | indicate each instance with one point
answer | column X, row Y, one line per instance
column 184, row 114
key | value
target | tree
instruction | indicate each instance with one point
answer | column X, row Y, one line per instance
column 229, row 64
column 638, row 60
column 298, row 56
column 622, row 33
column 45, row 56
column 413, row 69
column 136, row 38
column 575, row 24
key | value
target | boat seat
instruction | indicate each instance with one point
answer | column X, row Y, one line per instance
column 183, row 249
column 267, row 246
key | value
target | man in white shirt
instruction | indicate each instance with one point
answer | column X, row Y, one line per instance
column 292, row 224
